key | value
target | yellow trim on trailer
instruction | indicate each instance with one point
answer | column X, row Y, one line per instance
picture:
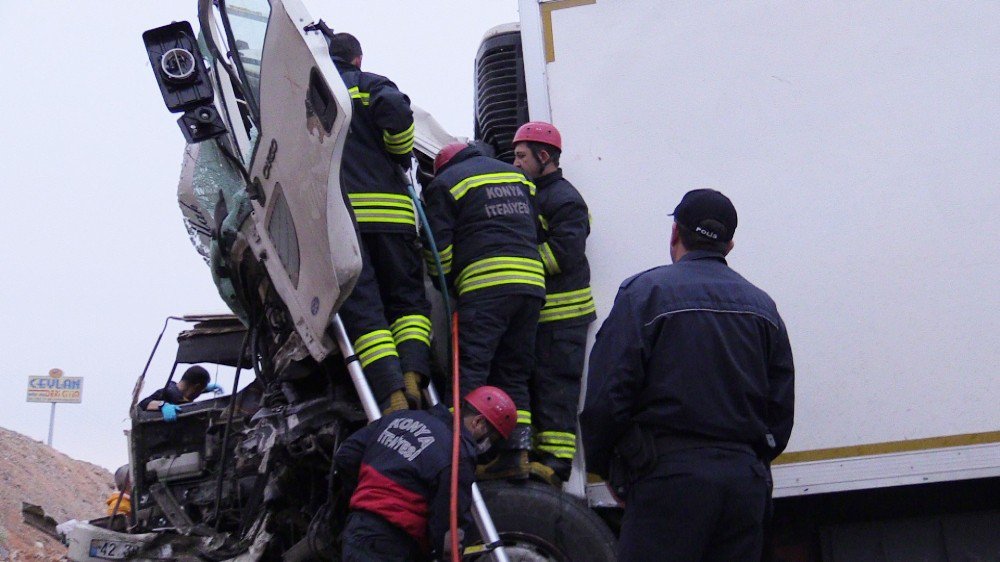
column 546, row 10
column 888, row 447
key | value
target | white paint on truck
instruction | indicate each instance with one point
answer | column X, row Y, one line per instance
column 860, row 143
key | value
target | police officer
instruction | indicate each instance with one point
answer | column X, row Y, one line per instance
column 387, row 314
column 400, row 471
column 691, row 384
column 569, row 308
column 482, row 215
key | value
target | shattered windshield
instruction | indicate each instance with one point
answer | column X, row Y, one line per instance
column 247, row 21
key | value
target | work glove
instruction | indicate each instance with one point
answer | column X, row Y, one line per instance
column 397, row 401
column 212, row 387
column 446, row 551
column 170, row 411
column 411, row 388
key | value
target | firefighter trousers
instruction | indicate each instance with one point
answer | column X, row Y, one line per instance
column 496, row 343
column 555, row 387
column 717, row 504
column 368, row 537
column 387, row 313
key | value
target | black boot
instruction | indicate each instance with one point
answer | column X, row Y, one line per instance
column 561, row 468
column 512, row 462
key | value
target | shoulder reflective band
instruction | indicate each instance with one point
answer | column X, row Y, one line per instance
column 571, row 304
column 399, row 143
column 383, row 208
column 363, row 97
column 491, row 272
column 524, row 417
column 462, row 187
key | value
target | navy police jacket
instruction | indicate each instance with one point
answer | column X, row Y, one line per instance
column 562, row 246
column 483, row 216
column 379, row 140
column 690, row 349
column 401, row 464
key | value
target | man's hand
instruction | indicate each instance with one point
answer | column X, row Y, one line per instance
column 170, row 412
column 212, row 387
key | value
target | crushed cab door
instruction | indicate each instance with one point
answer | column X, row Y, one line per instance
column 301, row 227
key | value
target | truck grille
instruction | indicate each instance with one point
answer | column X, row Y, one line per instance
column 501, row 101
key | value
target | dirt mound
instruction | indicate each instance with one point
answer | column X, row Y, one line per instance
column 33, row 472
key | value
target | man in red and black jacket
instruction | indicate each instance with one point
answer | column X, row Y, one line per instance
column 483, row 216
column 387, row 313
column 400, row 470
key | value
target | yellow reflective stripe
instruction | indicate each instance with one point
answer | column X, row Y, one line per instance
column 382, row 207
column 446, row 256
column 462, row 187
column 524, row 417
column 558, row 452
column 549, row 259
column 412, row 327
column 557, row 438
column 374, row 346
column 399, row 138
column 545, row 223
column 571, row 304
column 491, row 272
column 387, row 199
column 500, row 280
column 359, row 95
column 530, row 266
column 386, row 217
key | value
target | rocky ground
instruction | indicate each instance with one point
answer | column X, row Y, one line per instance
column 33, row 472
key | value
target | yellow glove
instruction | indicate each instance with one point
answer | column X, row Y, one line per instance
column 411, row 388
column 397, row 401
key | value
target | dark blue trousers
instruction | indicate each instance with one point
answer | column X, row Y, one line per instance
column 704, row 504
column 370, row 538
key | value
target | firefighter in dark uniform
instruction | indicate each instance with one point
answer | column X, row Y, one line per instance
column 690, row 396
column 482, row 214
column 387, row 314
column 561, row 342
column 399, row 472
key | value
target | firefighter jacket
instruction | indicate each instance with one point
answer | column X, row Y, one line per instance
column 482, row 214
column 562, row 246
column 400, row 468
column 691, row 350
column 380, row 139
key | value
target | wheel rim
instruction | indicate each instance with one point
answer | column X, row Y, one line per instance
column 526, row 547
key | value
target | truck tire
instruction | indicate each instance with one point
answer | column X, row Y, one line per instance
column 538, row 523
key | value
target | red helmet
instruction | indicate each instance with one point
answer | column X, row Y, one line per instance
column 496, row 406
column 447, row 153
column 538, row 131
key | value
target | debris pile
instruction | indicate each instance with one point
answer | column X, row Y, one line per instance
column 33, row 472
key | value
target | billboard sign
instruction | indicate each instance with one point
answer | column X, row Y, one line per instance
column 55, row 388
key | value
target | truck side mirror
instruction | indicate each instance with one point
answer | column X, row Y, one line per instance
column 184, row 83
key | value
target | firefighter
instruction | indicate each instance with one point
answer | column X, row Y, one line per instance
column 168, row 399
column 482, row 214
column 400, row 471
column 387, row 314
column 569, row 308
column 690, row 391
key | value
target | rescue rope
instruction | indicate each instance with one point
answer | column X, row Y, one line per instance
column 456, row 556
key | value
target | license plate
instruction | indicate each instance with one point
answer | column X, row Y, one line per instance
column 112, row 550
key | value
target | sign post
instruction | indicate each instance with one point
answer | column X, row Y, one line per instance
column 55, row 388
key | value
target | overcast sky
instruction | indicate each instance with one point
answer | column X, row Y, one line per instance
column 94, row 252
